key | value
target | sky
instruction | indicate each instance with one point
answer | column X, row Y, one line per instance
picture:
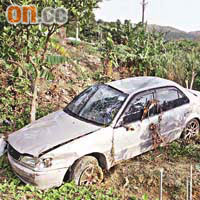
column 181, row 14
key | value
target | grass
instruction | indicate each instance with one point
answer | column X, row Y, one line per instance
column 184, row 149
column 12, row 188
column 177, row 150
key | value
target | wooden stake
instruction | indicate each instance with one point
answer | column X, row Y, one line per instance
column 191, row 182
column 187, row 187
column 161, row 183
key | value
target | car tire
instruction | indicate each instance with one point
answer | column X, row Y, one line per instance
column 86, row 171
column 191, row 130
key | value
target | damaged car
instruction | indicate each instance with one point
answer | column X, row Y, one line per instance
column 103, row 125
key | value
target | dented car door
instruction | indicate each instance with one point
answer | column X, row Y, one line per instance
column 173, row 111
column 132, row 135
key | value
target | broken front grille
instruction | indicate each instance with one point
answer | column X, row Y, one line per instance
column 14, row 153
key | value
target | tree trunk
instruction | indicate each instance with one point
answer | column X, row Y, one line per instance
column 37, row 71
column 34, row 100
column 187, row 84
column 108, row 70
column 192, row 81
column 77, row 31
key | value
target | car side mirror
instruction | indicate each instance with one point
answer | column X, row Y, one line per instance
column 128, row 127
column 125, row 123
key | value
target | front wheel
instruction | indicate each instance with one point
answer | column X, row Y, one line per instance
column 191, row 130
column 87, row 171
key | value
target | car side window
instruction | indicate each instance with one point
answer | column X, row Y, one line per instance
column 169, row 98
column 135, row 109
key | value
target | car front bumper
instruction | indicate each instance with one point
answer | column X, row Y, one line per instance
column 43, row 180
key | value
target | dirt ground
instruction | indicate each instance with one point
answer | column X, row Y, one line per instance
column 141, row 175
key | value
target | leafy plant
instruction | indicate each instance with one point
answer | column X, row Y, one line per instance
column 30, row 42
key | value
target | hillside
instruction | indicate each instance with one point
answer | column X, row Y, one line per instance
column 195, row 33
column 173, row 33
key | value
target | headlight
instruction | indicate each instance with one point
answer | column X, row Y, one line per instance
column 44, row 163
column 36, row 163
column 30, row 161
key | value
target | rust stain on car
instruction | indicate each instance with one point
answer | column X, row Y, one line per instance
column 157, row 139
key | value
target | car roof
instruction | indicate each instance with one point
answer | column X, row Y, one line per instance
column 132, row 85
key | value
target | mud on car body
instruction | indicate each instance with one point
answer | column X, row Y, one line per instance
column 103, row 125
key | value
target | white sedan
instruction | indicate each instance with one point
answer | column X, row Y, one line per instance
column 103, row 125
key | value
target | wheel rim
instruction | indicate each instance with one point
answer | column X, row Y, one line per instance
column 192, row 129
column 91, row 175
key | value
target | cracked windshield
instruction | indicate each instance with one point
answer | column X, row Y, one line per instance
column 98, row 104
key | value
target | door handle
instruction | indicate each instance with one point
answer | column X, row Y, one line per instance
column 129, row 127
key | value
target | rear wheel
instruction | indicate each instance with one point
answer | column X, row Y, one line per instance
column 87, row 171
column 191, row 130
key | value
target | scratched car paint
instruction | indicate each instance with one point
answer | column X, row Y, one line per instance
column 102, row 126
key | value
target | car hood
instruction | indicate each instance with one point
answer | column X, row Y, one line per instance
column 48, row 132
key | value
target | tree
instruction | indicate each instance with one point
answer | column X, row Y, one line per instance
column 180, row 62
column 132, row 47
column 25, row 46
